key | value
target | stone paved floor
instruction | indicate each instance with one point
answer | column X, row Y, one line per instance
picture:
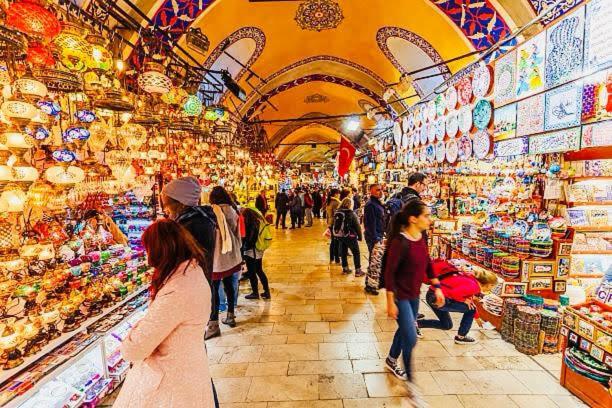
column 321, row 343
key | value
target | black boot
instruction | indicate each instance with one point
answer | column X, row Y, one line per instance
column 253, row 295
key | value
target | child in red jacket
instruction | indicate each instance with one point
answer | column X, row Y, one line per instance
column 459, row 290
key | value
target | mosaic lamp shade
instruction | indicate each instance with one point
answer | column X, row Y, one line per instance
column 131, row 136
column 29, row 17
column 61, row 175
column 100, row 134
column 19, row 111
column 192, row 106
column 30, row 88
column 74, row 49
column 39, row 55
column 99, row 59
column 39, row 194
column 153, row 80
column 12, row 199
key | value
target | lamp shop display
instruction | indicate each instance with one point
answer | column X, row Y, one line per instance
column 85, row 147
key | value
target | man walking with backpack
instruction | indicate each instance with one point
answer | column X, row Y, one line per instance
column 416, row 185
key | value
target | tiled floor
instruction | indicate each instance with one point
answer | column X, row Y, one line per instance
column 321, row 343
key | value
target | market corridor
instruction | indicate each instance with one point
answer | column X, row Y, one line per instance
column 321, row 343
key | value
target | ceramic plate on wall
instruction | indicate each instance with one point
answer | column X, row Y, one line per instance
column 430, row 153
column 465, row 119
column 464, row 90
column 482, row 114
column 410, row 158
column 452, row 150
column 452, row 124
column 405, row 124
column 440, row 151
column 451, row 98
column 405, row 141
column 424, row 133
column 440, row 104
column 423, row 155
column 481, row 81
column 431, row 111
column 440, row 128
column 418, row 116
column 481, row 144
column 397, row 133
column 410, row 121
column 465, row 148
column 431, row 133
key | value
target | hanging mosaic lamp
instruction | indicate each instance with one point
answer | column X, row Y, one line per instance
column 39, row 55
column 99, row 135
column 18, row 111
column 100, row 59
column 119, row 163
column 39, row 194
column 74, row 49
column 62, row 175
column 76, row 134
column 153, row 80
column 193, row 106
column 31, row 18
column 176, row 96
column 30, row 88
column 24, row 173
column 12, row 199
column 131, row 136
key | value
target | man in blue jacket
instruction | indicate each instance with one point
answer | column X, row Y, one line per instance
column 374, row 217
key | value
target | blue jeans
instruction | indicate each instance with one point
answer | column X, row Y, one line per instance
column 223, row 299
column 406, row 336
column 444, row 321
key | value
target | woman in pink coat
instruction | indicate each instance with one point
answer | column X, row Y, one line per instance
column 170, row 365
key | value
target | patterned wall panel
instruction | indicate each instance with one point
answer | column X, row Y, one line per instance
column 539, row 5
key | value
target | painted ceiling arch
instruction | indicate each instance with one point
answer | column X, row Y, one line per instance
column 313, row 134
column 289, row 129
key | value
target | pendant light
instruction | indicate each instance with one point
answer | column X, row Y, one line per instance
column 74, row 50
column 31, row 18
column 153, row 80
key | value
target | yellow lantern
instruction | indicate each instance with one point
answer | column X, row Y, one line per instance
column 39, row 194
column 100, row 59
column 12, row 199
column 74, row 49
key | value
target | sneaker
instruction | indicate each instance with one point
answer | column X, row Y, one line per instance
column 223, row 307
column 359, row 273
column 212, row 330
column 419, row 333
column 230, row 320
column 465, row 340
column 395, row 368
column 346, row 271
column 266, row 295
column 252, row 296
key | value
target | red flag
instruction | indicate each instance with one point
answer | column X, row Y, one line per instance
column 345, row 156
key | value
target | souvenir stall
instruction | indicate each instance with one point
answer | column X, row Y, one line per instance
column 86, row 145
column 518, row 151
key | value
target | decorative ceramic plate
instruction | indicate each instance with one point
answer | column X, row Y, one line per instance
column 423, row 155
column 482, row 144
column 482, row 114
column 431, row 111
column 424, row 133
column 416, row 139
column 410, row 159
column 521, row 227
column 465, row 147
column 452, row 124
column 405, row 124
column 397, row 133
column 418, row 116
column 452, row 149
column 405, row 139
column 464, row 90
column 451, row 98
column 410, row 121
column 411, row 140
column 440, row 151
column 481, row 81
column 440, row 126
column 430, row 153
column 440, row 104
column 465, row 119
column 431, row 133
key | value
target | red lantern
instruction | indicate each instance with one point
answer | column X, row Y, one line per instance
column 38, row 54
column 29, row 17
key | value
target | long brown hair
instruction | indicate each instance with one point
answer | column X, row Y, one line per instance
column 168, row 245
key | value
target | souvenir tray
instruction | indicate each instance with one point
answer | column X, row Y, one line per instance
column 481, row 81
column 452, row 150
column 440, row 125
column 440, row 151
column 481, row 144
column 440, row 104
column 464, row 90
column 465, row 147
column 452, row 124
column 465, row 119
column 482, row 114
column 397, row 133
column 451, row 98
column 431, row 111
column 521, row 227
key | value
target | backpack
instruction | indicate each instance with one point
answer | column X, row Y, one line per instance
column 392, row 207
column 264, row 236
column 339, row 226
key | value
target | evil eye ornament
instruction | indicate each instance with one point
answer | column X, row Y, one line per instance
column 85, row 116
column 554, row 168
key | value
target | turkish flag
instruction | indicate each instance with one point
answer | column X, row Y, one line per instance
column 345, row 156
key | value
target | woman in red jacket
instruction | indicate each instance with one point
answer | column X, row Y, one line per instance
column 460, row 290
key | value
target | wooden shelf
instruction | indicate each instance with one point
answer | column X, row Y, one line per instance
column 592, row 229
column 586, row 203
column 587, row 275
column 583, row 178
column 603, row 252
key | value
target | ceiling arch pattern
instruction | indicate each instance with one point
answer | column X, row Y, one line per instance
column 478, row 20
column 253, row 33
column 291, row 128
column 176, row 16
column 316, row 78
column 388, row 32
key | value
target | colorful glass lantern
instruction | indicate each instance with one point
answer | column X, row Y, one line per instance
column 193, row 106
column 74, row 50
column 131, row 136
column 29, row 17
column 18, row 111
column 16, row 141
column 176, row 96
column 64, row 175
column 99, row 135
column 50, row 108
column 24, row 173
column 64, row 156
column 30, row 88
column 39, row 194
column 85, row 116
column 76, row 134
column 100, row 59
column 153, row 80
column 12, row 199
column 40, row 55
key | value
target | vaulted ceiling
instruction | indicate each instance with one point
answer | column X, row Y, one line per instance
column 296, row 72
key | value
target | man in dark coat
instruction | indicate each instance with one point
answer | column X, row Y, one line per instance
column 281, row 203
column 374, row 217
column 261, row 203
column 318, row 203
